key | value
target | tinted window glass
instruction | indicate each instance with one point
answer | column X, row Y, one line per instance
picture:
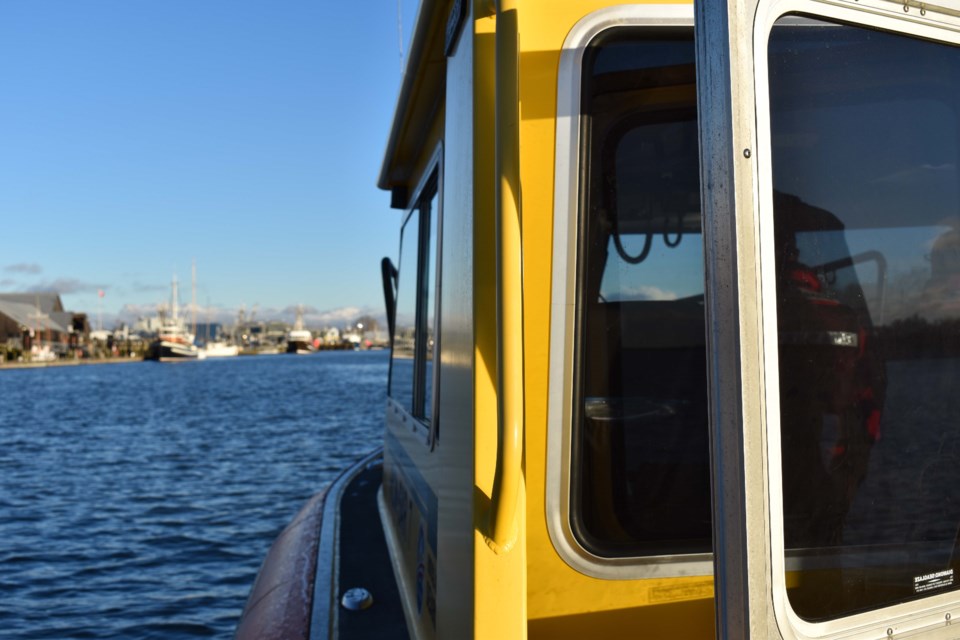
column 641, row 481
column 867, row 232
column 405, row 336
column 430, row 304
column 411, row 381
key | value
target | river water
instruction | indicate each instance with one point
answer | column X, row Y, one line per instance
column 138, row 500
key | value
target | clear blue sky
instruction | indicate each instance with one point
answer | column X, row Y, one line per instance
column 245, row 134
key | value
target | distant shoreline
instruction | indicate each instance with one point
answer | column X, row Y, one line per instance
column 66, row 363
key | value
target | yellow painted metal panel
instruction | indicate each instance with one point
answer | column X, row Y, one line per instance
column 529, row 586
column 500, row 593
column 684, row 620
column 555, row 591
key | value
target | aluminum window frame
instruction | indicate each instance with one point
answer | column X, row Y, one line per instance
column 563, row 313
column 430, row 187
column 899, row 18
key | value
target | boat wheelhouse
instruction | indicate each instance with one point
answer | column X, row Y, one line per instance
column 675, row 322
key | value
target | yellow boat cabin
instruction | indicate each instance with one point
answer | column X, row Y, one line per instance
column 675, row 327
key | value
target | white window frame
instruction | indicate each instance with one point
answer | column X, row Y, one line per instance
column 563, row 314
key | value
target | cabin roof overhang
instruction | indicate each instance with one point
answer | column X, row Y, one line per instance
column 421, row 96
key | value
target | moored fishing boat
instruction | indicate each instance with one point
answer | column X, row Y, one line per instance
column 218, row 349
column 171, row 347
column 674, row 328
column 300, row 340
column 173, row 342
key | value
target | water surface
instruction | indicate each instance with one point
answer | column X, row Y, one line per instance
column 138, row 500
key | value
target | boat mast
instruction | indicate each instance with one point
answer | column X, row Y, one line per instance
column 173, row 299
column 193, row 297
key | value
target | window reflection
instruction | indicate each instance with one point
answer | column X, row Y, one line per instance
column 430, row 309
column 405, row 338
column 411, row 381
column 641, row 479
column 866, row 206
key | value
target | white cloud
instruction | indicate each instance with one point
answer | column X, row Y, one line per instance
column 312, row 317
column 941, row 171
column 65, row 286
column 645, row 292
column 24, row 267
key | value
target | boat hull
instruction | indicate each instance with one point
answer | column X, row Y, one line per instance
column 219, row 350
column 169, row 351
column 335, row 543
column 281, row 600
column 299, row 346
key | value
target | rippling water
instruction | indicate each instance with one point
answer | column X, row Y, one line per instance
column 138, row 500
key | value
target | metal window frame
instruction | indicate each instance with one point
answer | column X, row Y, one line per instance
column 927, row 614
column 563, row 315
column 429, row 187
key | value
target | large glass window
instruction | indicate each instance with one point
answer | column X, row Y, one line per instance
column 866, row 197
column 411, row 377
column 641, row 477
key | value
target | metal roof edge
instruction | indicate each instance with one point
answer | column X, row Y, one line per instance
column 415, row 58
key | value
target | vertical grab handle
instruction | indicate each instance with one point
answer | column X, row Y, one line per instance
column 388, row 274
column 502, row 526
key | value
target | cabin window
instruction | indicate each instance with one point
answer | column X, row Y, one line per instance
column 641, row 473
column 411, row 375
column 866, row 229
column 405, row 333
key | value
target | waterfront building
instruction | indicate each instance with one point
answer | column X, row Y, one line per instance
column 31, row 319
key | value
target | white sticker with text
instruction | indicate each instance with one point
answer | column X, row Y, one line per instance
column 931, row 581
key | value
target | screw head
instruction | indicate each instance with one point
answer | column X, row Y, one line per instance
column 747, row 153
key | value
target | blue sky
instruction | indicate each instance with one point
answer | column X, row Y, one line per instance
column 246, row 135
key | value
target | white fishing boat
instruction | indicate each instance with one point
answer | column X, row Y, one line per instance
column 218, row 349
column 300, row 340
column 173, row 341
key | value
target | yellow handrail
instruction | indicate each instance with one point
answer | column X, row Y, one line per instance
column 502, row 526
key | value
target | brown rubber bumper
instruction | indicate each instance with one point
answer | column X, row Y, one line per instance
column 281, row 601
